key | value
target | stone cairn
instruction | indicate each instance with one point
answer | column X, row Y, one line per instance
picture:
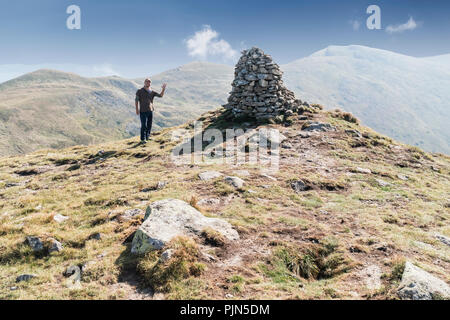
column 258, row 91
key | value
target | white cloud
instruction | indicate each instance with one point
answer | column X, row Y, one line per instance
column 205, row 43
column 355, row 24
column 410, row 25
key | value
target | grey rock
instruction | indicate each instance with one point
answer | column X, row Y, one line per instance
column 319, row 126
column 60, row 218
column 131, row 214
column 263, row 83
column 161, row 185
column 299, row 186
column 73, row 273
column 264, row 175
column 55, row 246
column 170, row 218
column 148, row 211
column 251, row 77
column 96, row 236
column 166, row 255
column 240, row 83
column 235, row 181
column 382, row 183
column 25, row 277
column 435, row 169
column 363, row 170
column 35, row 243
column 423, row 245
column 209, row 175
column 417, row 284
column 402, row 177
column 304, row 135
column 354, row 133
column 443, row 239
column 11, row 184
column 85, row 267
column 208, row 257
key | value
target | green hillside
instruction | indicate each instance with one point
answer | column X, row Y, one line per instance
column 346, row 210
column 52, row 109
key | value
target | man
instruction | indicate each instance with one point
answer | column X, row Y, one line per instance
column 144, row 98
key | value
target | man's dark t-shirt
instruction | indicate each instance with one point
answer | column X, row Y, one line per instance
column 145, row 99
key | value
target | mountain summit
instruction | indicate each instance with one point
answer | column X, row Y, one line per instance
column 404, row 97
column 350, row 214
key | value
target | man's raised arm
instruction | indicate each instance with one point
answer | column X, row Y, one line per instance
column 163, row 90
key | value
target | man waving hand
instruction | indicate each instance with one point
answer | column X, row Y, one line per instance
column 144, row 100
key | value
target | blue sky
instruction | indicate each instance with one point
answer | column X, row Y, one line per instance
column 136, row 38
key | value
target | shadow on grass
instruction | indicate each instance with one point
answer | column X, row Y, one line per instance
column 127, row 263
column 220, row 122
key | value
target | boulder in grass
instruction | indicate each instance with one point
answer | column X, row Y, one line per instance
column 382, row 183
column 417, row 284
column 300, row 186
column 235, row 182
column 35, row 243
column 60, row 218
column 25, row 277
column 167, row 219
column 209, row 175
column 96, row 236
column 73, row 273
column 443, row 239
column 54, row 245
column 363, row 170
column 318, row 127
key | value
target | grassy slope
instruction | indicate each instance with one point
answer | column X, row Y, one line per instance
column 51, row 109
column 349, row 208
column 57, row 109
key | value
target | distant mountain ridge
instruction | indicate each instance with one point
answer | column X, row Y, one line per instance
column 442, row 59
column 54, row 109
column 404, row 97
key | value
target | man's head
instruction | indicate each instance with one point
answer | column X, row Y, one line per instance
column 147, row 83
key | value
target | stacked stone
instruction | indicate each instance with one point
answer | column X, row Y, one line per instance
column 258, row 90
